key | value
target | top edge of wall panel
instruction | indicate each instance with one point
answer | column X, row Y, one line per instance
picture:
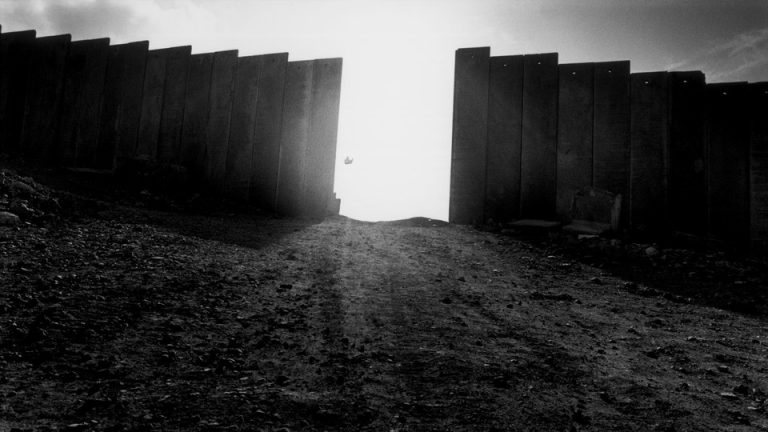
column 227, row 52
column 90, row 41
column 621, row 66
column 695, row 76
column 727, row 84
column 613, row 62
column 649, row 74
column 543, row 55
column 144, row 43
column 250, row 58
column 473, row 49
column 330, row 59
column 199, row 55
column 257, row 56
column 32, row 33
column 62, row 37
column 515, row 57
column 186, row 48
column 687, row 72
column 576, row 65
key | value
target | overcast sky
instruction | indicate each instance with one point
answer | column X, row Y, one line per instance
column 397, row 89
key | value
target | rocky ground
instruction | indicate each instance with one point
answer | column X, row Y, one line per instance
column 117, row 316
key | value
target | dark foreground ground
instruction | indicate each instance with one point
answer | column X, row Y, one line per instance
column 119, row 317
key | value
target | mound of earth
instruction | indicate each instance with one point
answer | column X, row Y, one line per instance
column 124, row 318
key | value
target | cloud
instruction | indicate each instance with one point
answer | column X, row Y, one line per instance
column 743, row 57
column 91, row 19
column 81, row 18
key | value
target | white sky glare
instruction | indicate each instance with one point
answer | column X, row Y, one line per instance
column 397, row 85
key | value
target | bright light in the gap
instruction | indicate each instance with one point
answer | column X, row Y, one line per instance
column 396, row 126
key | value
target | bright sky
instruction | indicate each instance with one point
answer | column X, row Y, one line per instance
column 397, row 86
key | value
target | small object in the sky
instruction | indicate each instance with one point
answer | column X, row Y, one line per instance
column 348, row 160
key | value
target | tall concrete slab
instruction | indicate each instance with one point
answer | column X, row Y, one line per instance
column 196, row 110
column 43, row 97
column 152, row 104
column 649, row 151
column 294, row 141
column 610, row 131
column 266, row 135
column 758, row 108
column 728, row 160
column 15, row 52
column 539, row 143
column 217, row 132
column 242, row 124
column 121, row 104
column 324, row 121
column 687, row 181
column 470, row 128
column 78, row 131
column 172, row 118
column 575, row 120
column 505, row 129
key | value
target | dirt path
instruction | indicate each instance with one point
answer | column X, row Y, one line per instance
column 143, row 320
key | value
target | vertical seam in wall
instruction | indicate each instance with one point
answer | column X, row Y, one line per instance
column 252, row 132
column 99, row 108
column 178, row 150
column 483, row 215
column 522, row 134
column 553, row 204
column 594, row 121
column 231, row 97
column 280, row 140
column 306, row 163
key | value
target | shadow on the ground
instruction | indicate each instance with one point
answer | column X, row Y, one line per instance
column 676, row 271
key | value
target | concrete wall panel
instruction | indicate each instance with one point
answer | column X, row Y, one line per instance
column 505, row 126
column 610, row 136
column 242, row 124
column 196, row 111
column 172, row 119
column 470, row 123
column 152, row 104
column 78, row 131
column 758, row 108
column 217, row 136
column 649, row 151
column 121, row 103
column 539, row 143
column 728, row 160
column 574, row 133
column 321, row 151
column 687, row 181
column 266, row 136
column 43, row 97
column 15, row 51
column 295, row 137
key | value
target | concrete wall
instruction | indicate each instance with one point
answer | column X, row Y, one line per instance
column 505, row 134
column 538, row 188
column 217, row 117
column 470, row 121
column 686, row 156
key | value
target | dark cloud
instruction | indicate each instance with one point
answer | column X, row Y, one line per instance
column 91, row 19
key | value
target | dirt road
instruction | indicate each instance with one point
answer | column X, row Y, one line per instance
column 144, row 320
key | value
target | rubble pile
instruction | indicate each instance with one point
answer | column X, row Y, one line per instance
column 22, row 200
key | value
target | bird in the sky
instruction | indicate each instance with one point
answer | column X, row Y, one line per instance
column 348, row 160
